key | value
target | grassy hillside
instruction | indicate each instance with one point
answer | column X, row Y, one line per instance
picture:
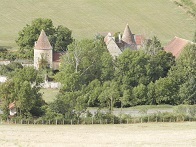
column 87, row 17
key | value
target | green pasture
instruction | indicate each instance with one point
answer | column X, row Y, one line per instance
column 49, row 94
column 88, row 17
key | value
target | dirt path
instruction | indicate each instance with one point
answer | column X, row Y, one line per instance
column 151, row 134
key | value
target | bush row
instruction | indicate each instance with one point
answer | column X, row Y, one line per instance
column 106, row 118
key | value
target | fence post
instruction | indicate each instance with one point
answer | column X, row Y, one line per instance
column 56, row 121
column 49, row 122
column 63, row 121
column 141, row 120
column 71, row 121
column 106, row 121
column 156, row 119
column 92, row 120
column 127, row 121
column 21, row 121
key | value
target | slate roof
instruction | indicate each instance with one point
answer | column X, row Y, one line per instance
column 176, row 45
column 128, row 36
column 43, row 42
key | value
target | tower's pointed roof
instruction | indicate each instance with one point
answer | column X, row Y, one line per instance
column 42, row 42
column 128, row 36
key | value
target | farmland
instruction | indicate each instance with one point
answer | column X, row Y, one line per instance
column 146, row 134
column 85, row 18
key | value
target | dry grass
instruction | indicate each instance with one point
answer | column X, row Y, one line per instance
column 151, row 134
column 155, row 17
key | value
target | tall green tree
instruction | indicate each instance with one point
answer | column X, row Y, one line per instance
column 152, row 46
column 109, row 95
column 59, row 37
column 187, row 92
column 23, row 87
column 30, row 33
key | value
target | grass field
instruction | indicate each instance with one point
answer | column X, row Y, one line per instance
column 146, row 134
column 87, row 17
column 49, row 94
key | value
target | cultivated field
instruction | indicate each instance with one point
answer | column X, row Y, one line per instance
column 152, row 134
column 153, row 17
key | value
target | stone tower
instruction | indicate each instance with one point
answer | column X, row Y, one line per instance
column 128, row 38
column 42, row 51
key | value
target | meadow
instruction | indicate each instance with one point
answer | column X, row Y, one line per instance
column 88, row 17
column 145, row 134
column 48, row 94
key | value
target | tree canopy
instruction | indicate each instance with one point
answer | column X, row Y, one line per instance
column 23, row 87
column 59, row 37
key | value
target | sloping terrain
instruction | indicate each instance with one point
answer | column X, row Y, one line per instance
column 87, row 17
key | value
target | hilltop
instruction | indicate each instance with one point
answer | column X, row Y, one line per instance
column 85, row 18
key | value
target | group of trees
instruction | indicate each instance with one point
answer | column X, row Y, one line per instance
column 23, row 87
column 91, row 77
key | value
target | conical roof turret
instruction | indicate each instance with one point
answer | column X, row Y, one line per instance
column 43, row 42
column 128, row 36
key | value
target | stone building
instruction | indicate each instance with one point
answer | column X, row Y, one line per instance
column 127, row 40
column 43, row 51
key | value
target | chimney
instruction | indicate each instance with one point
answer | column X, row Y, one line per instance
column 119, row 38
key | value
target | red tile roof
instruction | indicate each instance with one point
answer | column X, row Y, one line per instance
column 42, row 42
column 138, row 39
column 176, row 45
column 56, row 57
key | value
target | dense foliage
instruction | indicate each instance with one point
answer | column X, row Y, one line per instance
column 23, row 88
column 90, row 77
column 59, row 37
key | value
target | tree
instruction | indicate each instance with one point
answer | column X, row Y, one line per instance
column 187, row 92
column 139, row 95
column 109, row 95
column 8, row 70
column 166, row 91
column 82, row 60
column 30, row 33
column 159, row 65
column 93, row 90
column 152, row 46
column 59, row 37
column 131, row 68
column 23, row 87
